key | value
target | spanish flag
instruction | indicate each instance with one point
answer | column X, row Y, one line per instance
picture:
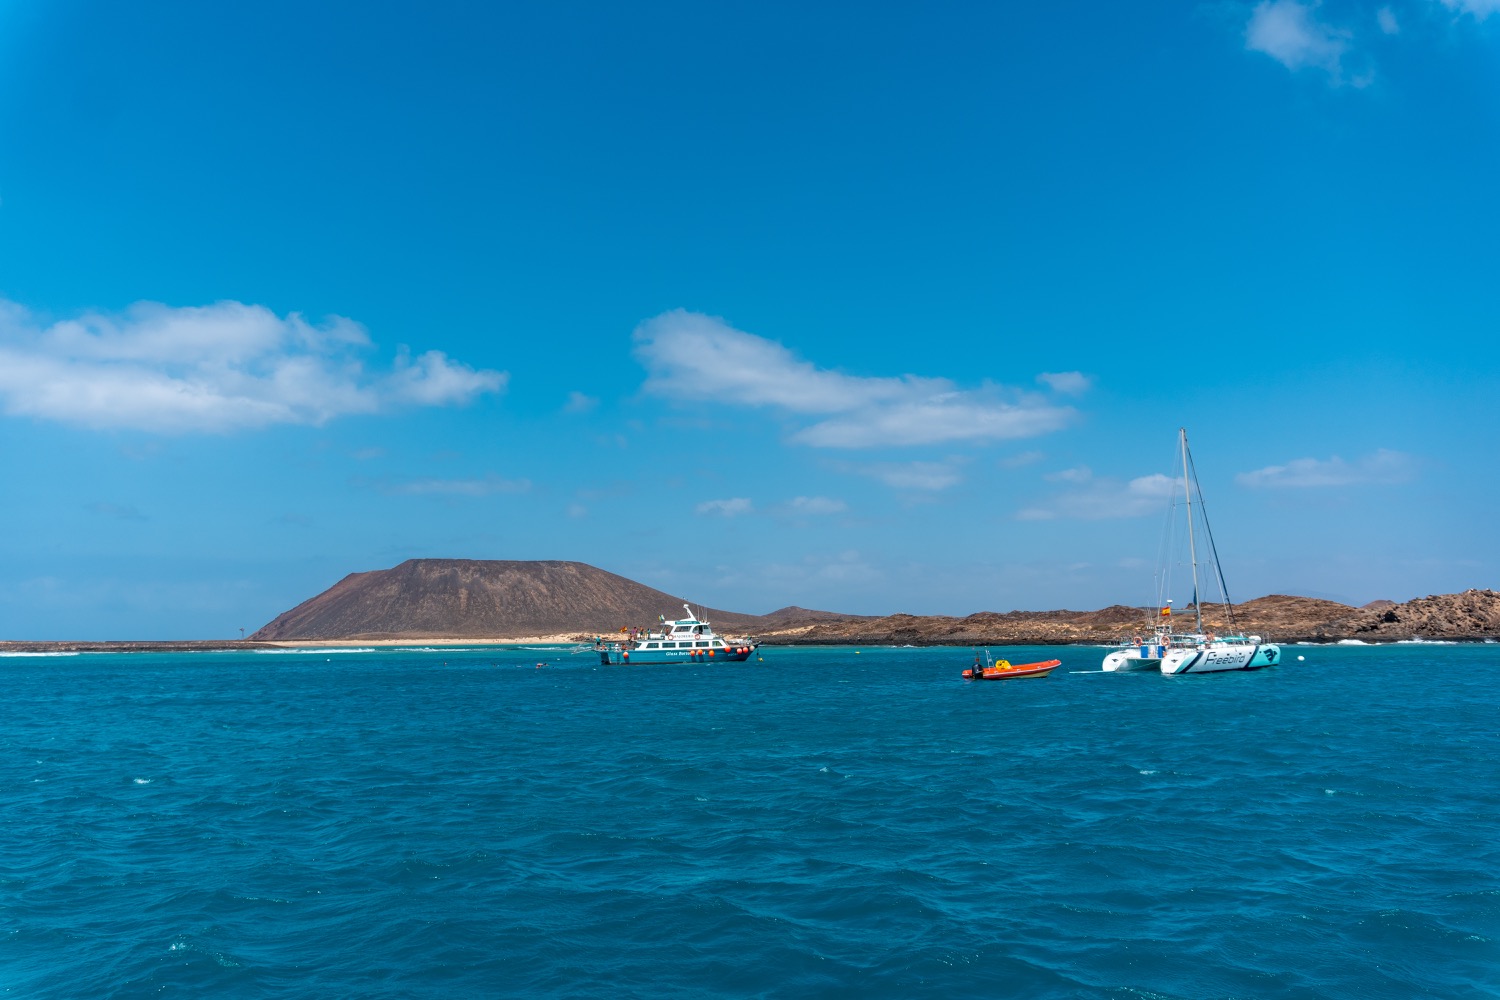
column 1166, row 612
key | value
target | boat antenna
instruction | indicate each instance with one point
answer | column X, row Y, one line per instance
column 1213, row 548
column 1187, row 492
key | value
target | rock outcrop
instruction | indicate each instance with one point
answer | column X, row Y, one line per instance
column 1473, row 614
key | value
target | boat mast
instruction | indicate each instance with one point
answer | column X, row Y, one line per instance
column 1187, row 493
column 1213, row 549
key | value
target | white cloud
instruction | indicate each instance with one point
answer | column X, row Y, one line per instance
column 1386, row 18
column 816, row 505
column 1021, row 460
column 927, row 476
column 579, row 403
column 731, row 507
column 1067, row 383
column 1102, row 499
column 1481, row 9
column 486, row 486
column 214, row 369
column 1290, row 32
column 431, row 379
column 1077, row 474
column 693, row 356
column 1381, row 467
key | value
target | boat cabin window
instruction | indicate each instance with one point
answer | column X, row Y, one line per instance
column 701, row 645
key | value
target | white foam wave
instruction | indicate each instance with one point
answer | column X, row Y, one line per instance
column 143, row 781
column 1351, row 642
column 39, row 654
column 316, row 652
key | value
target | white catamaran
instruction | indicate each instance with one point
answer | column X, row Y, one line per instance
column 1159, row 647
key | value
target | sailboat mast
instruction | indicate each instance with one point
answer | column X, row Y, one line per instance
column 1187, row 493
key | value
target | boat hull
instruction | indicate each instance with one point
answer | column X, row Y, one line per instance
column 1217, row 657
column 1010, row 673
column 640, row 657
column 1134, row 658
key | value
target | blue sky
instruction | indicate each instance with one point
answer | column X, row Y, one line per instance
column 864, row 307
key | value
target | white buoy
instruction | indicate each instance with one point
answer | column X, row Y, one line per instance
column 1301, row 657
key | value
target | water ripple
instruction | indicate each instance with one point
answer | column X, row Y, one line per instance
column 394, row 824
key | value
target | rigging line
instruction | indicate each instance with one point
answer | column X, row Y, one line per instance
column 1187, row 496
column 1212, row 548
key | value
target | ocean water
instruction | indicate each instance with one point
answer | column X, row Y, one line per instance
column 822, row 823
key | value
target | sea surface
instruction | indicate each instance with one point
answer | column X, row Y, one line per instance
column 832, row 822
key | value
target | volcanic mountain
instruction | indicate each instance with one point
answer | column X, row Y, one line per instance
column 474, row 598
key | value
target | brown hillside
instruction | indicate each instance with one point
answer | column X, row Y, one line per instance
column 474, row 599
column 1284, row 616
column 1277, row 616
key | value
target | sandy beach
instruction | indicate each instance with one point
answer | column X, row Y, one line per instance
column 525, row 640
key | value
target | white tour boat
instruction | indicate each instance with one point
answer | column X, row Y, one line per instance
column 687, row 640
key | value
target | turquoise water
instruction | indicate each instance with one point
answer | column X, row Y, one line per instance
column 820, row 823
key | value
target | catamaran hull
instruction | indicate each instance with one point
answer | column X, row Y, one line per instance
column 1212, row 659
column 1131, row 659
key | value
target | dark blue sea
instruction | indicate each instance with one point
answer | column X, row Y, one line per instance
column 818, row 823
